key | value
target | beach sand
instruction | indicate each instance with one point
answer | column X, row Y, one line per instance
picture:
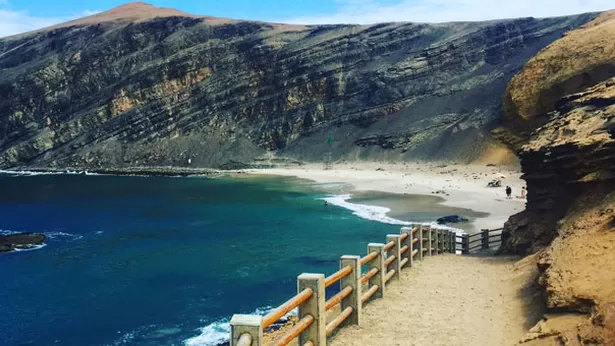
column 462, row 188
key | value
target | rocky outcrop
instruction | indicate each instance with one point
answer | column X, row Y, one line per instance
column 21, row 241
column 568, row 160
column 156, row 87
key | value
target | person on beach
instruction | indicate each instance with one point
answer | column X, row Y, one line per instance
column 508, row 192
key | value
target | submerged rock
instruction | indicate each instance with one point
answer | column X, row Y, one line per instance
column 20, row 241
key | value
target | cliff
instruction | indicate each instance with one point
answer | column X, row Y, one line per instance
column 143, row 86
column 559, row 112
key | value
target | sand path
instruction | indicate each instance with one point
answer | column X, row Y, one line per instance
column 449, row 300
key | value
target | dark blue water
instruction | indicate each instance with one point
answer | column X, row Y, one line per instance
column 158, row 261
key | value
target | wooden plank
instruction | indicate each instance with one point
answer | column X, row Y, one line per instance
column 370, row 292
column 337, row 276
column 338, row 320
column 294, row 332
column 287, row 307
column 369, row 257
column 336, row 299
column 370, row 274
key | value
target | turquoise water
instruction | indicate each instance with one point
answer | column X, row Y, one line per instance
column 161, row 261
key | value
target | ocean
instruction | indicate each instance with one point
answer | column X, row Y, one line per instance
column 165, row 261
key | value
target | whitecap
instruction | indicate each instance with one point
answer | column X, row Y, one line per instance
column 32, row 248
column 218, row 332
column 62, row 235
column 369, row 212
column 377, row 213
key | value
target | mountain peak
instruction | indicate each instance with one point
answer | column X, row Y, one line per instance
column 134, row 11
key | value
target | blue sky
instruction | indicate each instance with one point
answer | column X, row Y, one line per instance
column 23, row 15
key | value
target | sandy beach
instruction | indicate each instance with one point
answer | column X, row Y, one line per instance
column 459, row 186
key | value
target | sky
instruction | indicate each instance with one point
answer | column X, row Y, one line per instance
column 18, row 16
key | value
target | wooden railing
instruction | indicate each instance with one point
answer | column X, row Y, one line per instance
column 485, row 240
column 383, row 263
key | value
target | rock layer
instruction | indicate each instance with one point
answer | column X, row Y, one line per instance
column 149, row 87
column 564, row 128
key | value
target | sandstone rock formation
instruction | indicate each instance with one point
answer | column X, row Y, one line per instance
column 141, row 86
column 21, row 241
column 559, row 112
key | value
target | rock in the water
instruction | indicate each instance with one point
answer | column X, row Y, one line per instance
column 451, row 219
column 20, row 241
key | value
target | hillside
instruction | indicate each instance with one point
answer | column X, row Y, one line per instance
column 566, row 97
column 143, row 86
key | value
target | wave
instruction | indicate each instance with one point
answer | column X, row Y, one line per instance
column 32, row 248
column 62, row 235
column 217, row 333
column 377, row 213
column 35, row 173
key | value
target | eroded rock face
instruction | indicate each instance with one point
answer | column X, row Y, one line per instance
column 569, row 166
column 172, row 89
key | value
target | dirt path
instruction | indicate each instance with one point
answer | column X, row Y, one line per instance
column 450, row 300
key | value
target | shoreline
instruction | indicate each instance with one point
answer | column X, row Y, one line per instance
column 459, row 186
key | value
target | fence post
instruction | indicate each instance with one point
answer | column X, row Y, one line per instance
column 465, row 244
column 429, row 240
column 247, row 324
column 352, row 280
column 408, row 242
column 377, row 263
column 453, row 240
column 485, row 239
column 421, row 243
column 444, row 237
column 315, row 306
column 395, row 251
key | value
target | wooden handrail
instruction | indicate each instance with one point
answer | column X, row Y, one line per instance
column 337, row 276
column 389, row 275
column 417, row 251
column 415, row 229
column 369, row 257
column 245, row 339
column 476, row 241
column 287, row 307
column 370, row 292
column 404, row 261
column 294, row 332
column 370, row 274
column 338, row 320
column 336, row 299
column 403, row 236
column 389, row 260
column 416, row 240
column 404, row 249
column 389, row 246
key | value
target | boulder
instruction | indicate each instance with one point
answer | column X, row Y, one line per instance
column 20, row 241
column 451, row 219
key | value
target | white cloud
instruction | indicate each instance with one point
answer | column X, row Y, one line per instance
column 14, row 22
column 434, row 11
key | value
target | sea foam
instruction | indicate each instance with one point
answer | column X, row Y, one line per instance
column 379, row 214
column 218, row 332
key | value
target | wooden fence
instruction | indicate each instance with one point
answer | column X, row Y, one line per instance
column 358, row 287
